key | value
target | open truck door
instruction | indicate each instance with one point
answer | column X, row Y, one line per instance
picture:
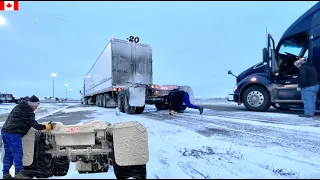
column 272, row 61
column 284, row 91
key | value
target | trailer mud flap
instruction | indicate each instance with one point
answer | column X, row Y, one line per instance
column 28, row 147
column 130, row 141
column 137, row 96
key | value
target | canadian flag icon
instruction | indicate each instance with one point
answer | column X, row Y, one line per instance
column 9, row 5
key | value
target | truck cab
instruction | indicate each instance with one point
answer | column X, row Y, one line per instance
column 274, row 80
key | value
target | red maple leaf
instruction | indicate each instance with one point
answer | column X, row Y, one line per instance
column 9, row 5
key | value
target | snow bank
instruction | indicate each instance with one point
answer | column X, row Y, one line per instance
column 176, row 152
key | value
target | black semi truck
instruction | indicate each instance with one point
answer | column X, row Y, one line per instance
column 273, row 82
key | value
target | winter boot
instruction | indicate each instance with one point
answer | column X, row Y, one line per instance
column 20, row 175
column 201, row 110
column 7, row 176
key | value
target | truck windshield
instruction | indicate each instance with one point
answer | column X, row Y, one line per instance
column 295, row 50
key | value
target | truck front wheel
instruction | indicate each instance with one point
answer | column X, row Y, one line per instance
column 256, row 98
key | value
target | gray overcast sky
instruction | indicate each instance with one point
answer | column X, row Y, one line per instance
column 194, row 43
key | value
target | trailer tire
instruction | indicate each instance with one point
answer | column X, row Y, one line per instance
column 61, row 166
column 101, row 100
column 256, row 98
column 139, row 110
column 98, row 100
column 160, row 106
column 120, row 101
column 128, row 109
column 125, row 172
column 0, row 101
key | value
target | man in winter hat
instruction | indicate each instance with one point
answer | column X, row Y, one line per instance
column 308, row 84
column 18, row 123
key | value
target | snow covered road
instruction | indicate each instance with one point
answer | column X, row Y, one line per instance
column 218, row 144
column 264, row 129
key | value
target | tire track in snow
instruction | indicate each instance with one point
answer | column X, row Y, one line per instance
column 238, row 131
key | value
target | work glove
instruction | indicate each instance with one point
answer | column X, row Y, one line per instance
column 171, row 112
column 50, row 126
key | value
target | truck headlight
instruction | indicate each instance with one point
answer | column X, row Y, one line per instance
column 235, row 88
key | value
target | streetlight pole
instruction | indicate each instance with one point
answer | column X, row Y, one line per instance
column 70, row 93
column 53, row 75
column 66, row 91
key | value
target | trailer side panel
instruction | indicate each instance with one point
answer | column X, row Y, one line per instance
column 99, row 78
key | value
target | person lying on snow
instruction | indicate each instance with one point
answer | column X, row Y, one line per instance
column 176, row 98
column 17, row 125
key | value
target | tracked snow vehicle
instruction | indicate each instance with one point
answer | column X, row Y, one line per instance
column 93, row 146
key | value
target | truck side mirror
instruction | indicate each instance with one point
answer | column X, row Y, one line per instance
column 230, row 72
column 265, row 54
column 80, row 91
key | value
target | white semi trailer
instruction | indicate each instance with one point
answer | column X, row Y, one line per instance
column 122, row 77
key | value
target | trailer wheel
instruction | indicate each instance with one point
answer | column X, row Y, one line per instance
column 98, row 100
column 61, row 166
column 0, row 101
column 128, row 109
column 160, row 106
column 101, row 100
column 120, row 101
column 256, row 98
column 139, row 110
column 125, row 172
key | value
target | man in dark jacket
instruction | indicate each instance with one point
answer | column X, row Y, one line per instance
column 308, row 85
column 18, row 123
column 176, row 98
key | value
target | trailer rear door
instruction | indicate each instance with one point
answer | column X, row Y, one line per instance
column 122, row 62
column 142, row 65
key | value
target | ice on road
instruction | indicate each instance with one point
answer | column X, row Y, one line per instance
column 179, row 152
column 235, row 147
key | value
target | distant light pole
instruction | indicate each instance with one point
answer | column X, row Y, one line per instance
column 70, row 93
column 53, row 75
column 66, row 90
